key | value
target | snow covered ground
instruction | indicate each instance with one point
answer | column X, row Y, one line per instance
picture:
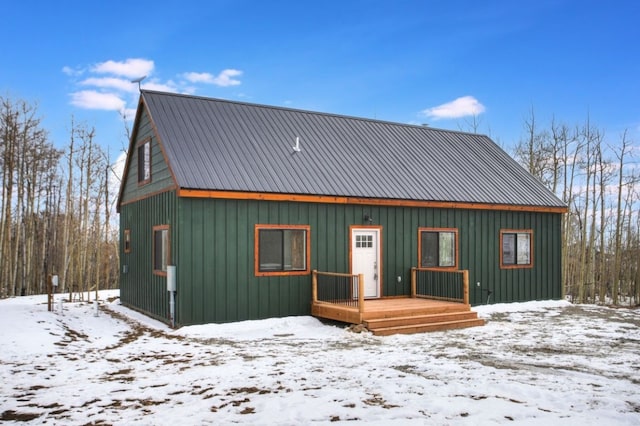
column 541, row 363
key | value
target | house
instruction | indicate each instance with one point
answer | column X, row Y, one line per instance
column 246, row 201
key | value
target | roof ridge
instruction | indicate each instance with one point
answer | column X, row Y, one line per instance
column 306, row 111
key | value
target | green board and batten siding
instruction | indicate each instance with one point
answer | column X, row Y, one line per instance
column 139, row 287
column 212, row 246
column 161, row 177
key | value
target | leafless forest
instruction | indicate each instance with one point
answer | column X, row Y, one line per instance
column 56, row 204
column 597, row 176
column 55, row 207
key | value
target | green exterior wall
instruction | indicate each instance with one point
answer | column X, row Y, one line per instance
column 212, row 246
column 161, row 178
column 139, row 287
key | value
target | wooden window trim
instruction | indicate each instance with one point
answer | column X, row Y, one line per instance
column 517, row 231
column 256, row 250
column 142, row 182
column 456, row 242
column 127, row 241
column 153, row 248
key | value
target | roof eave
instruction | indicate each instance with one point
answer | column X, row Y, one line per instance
column 339, row 199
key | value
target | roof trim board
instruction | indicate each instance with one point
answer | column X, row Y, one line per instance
column 328, row 199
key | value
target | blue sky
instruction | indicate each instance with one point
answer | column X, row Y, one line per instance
column 435, row 62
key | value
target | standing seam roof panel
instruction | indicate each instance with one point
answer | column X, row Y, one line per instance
column 225, row 145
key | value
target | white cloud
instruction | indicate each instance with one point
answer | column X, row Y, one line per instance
column 111, row 83
column 129, row 114
column 189, row 90
column 71, row 71
column 198, row 77
column 130, row 68
column 115, row 178
column 461, row 107
column 107, row 85
column 169, row 86
column 90, row 99
column 117, row 172
column 224, row 79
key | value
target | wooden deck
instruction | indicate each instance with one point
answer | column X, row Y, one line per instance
column 401, row 315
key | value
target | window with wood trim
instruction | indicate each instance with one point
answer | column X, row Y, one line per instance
column 282, row 250
column 438, row 248
column 144, row 162
column 127, row 240
column 161, row 249
column 516, row 248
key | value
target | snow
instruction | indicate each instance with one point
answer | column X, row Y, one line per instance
column 536, row 363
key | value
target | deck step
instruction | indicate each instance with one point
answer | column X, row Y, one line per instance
column 419, row 319
column 416, row 311
column 425, row 327
column 401, row 315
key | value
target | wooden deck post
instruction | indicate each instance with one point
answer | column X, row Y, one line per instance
column 361, row 295
column 465, row 283
column 314, row 286
column 414, row 274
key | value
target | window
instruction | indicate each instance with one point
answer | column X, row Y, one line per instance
column 160, row 249
column 516, row 249
column 282, row 249
column 364, row 241
column 438, row 248
column 144, row 162
column 127, row 240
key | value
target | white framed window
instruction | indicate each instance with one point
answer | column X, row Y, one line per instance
column 161, row 249
column 144, row 162
column 127, row 240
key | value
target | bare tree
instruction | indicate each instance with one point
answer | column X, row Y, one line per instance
column 54, row 216
column 620, row 210
column 27, row 161
column 599, row 245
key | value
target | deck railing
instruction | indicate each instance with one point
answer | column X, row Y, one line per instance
column 452, row 286
column 341, row 289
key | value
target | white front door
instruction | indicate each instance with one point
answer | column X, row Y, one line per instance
column 365, row 259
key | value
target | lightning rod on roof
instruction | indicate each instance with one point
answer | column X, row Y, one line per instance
column 296, row 148
column 138, row 80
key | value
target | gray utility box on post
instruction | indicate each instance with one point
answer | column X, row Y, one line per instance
column 171, row 278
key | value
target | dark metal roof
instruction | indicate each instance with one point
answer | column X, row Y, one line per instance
column 215, row 144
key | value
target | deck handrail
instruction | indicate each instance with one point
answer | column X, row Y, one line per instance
column 342, row 291
column 465, row 284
